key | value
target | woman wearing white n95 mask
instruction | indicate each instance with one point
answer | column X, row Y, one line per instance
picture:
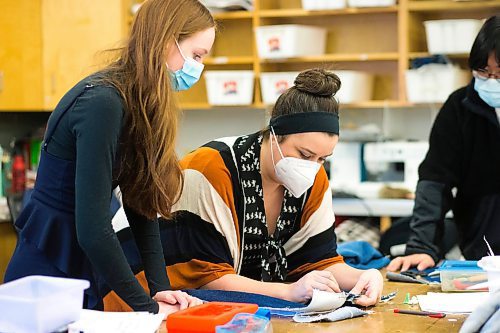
column 256, row 210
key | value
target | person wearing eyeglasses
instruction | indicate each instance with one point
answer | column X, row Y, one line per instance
column 464, row 159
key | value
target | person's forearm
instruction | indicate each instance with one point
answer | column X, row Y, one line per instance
column 240, row 283
column 345, row 275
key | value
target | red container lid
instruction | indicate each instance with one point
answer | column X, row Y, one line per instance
column 204, row 318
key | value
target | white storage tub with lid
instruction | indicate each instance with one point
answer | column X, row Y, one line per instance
column 451, row 36
column 290, row 40
column 371, row 3
column 323, row 4
column 356, row 86
column 273, row 84
column 433, row 83
column 229, row 87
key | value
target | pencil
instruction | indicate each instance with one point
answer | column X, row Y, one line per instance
column 421, row 313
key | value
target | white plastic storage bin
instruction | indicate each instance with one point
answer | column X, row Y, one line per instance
column 290, row 40
column 371, row 3
column 323, row 4
column 451, row 36
column 229, row 87
column 355, row 86
column 272, row 85
column 433, row 83
column 40, row 304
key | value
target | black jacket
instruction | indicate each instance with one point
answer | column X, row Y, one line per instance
column 464, row 153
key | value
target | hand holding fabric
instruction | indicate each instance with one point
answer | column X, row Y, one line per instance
column 370, row 285
column 302, row 290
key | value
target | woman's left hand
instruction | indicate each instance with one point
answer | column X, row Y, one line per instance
column 370, row 284
column 177, row 297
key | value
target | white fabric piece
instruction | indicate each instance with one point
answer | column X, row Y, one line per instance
column 346, row 312
column 451, row 303
column 321, row 301
column 92, row 321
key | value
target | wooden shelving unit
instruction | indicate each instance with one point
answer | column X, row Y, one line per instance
column 380, row 40
column 299, row 12
column 446, row 5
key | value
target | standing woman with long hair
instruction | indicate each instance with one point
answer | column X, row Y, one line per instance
column 116, row 127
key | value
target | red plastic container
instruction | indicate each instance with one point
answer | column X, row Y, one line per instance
column 204, row 318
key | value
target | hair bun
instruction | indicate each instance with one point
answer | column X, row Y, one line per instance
column 319, row 82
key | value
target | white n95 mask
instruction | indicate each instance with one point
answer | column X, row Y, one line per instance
column 295, row 174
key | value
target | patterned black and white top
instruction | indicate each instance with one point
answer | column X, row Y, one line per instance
column 219, row 225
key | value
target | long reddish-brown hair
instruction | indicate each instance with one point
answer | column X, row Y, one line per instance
column 150, row 177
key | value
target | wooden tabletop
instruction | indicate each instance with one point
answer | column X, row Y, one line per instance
column 384, row 320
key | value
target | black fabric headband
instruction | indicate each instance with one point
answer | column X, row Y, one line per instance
column 304, row 122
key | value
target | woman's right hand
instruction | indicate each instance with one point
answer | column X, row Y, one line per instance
column 170, row 301
column 177, row 297
column 167, row 309
column 302, row 290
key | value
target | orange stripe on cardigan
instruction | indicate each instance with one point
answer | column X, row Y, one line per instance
column 315, row 199
column 196, row 273
column 208, row 162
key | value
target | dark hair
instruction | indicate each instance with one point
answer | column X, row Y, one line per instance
column 487, row 41
column 313, row 91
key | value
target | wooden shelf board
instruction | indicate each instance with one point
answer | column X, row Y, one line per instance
column 444, row 5
column 240, row 14
column 374, row 104
column 206, row 106
column 299, row 12
column 229, row 60
column 361, row 105
column 414, row 55
column 383, row 56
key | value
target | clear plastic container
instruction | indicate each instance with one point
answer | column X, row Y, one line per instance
column 459, row 275
column 40, row 304
column 246, row 323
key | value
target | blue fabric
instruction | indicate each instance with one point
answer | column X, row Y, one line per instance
column 241, row 297
column 361, row 255
column 47, row 223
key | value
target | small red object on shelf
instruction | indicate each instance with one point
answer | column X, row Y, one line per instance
column 18, row 174
column 204, row 318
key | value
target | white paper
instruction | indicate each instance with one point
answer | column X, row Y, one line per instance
column 451, row 302
column 116, row 322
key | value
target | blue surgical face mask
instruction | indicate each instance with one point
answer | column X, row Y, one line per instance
column 188, row 75
column 489, row 91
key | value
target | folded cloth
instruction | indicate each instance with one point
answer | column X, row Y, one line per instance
column 362, row 255
column 345, row 312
